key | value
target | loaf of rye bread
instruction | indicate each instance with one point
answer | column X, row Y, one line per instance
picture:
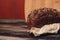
column 43, row 16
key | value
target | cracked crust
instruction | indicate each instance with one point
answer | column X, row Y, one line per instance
column 43, row 16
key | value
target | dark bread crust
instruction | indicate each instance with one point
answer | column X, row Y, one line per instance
column 43, row 16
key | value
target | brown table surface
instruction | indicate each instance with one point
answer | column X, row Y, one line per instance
column 21, row 32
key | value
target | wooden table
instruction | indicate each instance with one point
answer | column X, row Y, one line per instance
column 9, row 32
